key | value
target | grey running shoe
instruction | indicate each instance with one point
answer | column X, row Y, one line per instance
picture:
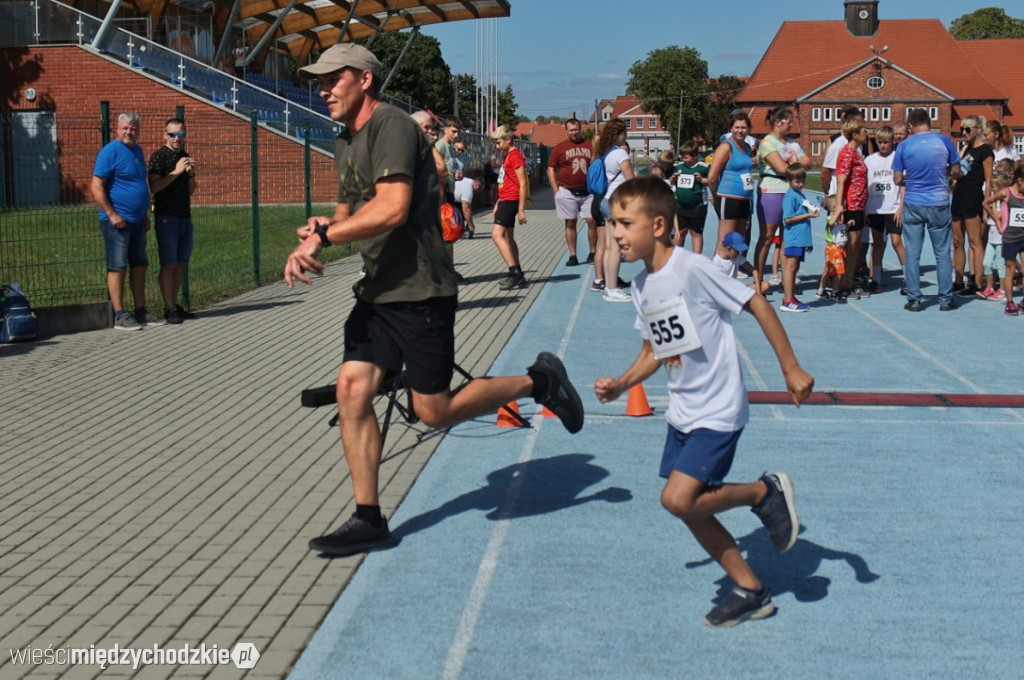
column 777, row 511
column 353, row 537
column 740, row 605
column 126, row 322
column 561, row 397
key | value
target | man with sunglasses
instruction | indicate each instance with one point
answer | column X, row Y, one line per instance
column 172, row 179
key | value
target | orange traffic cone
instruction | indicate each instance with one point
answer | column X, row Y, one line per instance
column 547, row 413
column 505, row 418
column 636, row 403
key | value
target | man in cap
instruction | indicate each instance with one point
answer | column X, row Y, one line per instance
column 404, row 314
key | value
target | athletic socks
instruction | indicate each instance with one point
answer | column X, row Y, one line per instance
column 370, row 514
column 540, row 384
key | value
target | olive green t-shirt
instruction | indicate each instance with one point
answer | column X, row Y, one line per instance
column 409, row 263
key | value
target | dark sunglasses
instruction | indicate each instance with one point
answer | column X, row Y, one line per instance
column 179, row 135
column 965, row 130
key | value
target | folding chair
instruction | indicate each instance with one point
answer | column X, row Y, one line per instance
column 391, row 388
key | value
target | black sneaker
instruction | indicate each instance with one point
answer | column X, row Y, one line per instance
column 590, row 258
column 841, row 295
column 860, row 292
column 622, row 284
column 561, row 396
column 948, row 306
column 184, row 313
column 511, row 282
column 173, row 316
column 913, row 306
column 572, row 261
column 777, row 512
column 353, row 537
column 967, row 291
column 740, row 605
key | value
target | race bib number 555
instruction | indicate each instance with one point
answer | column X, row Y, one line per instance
column 671, row 329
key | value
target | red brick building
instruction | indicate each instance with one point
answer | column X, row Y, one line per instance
column 885, row 67
column 644, row 132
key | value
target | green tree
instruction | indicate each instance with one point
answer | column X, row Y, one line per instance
column 423, row 78
column 465, row 99
column 985, row 24
column 722, row 92
column 669, row 82
column 507, row 108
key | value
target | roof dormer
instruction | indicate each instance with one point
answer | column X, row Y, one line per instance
column 861, row 17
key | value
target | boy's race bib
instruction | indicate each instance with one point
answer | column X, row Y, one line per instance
column 671, row 329
column 685, row 181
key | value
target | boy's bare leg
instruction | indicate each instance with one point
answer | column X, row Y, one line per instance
column 696, row 504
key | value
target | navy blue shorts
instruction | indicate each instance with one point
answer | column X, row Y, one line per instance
column 706, row 455
column 174, row 237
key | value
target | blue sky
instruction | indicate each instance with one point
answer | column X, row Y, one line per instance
column 561, row 55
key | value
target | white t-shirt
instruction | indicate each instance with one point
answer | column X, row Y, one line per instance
column 464, row 190
column 883, row 194
column 730, row 267
column 705, row 384
column 613, row 169
column 1006, row 152
column 831, row 158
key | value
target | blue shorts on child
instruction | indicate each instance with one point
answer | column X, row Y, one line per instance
column 703, row 454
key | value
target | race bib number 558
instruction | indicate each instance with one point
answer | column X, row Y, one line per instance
column 671, row 329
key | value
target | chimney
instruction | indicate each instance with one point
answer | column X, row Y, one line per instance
column 861, row 17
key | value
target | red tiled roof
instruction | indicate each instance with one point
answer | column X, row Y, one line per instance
column 548, row 134
column 807, row 54
column 1000, row 61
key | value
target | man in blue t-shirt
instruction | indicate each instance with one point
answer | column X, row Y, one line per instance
column 921, row 166
column 121, row 191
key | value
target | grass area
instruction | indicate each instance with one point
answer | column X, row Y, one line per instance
column 57, row 253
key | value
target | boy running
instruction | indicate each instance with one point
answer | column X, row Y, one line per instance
column 684, row 311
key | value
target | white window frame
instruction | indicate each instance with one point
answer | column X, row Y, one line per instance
column 816, row 113
column 933, row 112
column 881, row 82
column 827, row 114
column 815, row 148
column 886, row 113
column 629, row 123
column 652, row 123
column 874, row 113
column 1018, row 143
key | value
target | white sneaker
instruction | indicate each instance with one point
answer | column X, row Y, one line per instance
column 775, row 279
column 616, row 295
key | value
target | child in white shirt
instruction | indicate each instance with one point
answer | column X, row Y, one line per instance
column 684, row 312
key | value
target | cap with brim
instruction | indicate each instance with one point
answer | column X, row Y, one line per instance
column 734, row 240
column 337, row 57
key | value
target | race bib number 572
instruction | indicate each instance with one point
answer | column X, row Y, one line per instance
column 671, row 329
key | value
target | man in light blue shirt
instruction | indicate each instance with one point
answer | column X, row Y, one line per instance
column 921, row 166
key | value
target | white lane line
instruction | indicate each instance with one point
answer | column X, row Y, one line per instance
column 459, row 648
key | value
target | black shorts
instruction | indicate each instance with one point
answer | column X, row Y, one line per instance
column 729, row 208
column 884, row 224
column 1012, row 250
column 595, row 211
column 506, row 214
column 692, row 218
column 855, row 216
column 417, row 335
column 967, row 201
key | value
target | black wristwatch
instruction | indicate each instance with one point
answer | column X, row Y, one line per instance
column 321, row 231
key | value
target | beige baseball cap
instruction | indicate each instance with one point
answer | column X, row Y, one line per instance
column 344, row 55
